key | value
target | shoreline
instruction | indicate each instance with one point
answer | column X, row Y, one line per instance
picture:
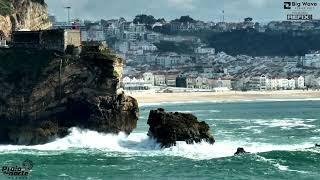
column 147, row 97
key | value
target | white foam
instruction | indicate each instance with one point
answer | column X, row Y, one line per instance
column 230, row 101
column 200, row 111
column 286, row 123
column 277, row 165
column 139, row 144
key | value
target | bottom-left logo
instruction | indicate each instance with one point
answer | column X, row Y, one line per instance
column 18, row 171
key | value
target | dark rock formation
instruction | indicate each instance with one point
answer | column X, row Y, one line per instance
column 240, row 151
column 43, row 94
column 167, row 128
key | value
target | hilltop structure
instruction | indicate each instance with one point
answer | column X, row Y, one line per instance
column 56, row 39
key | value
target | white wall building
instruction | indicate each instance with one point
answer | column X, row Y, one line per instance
column 159, row 80
column 135, row 84
column 201, row 50
column 149, row 78
column 291, row 84
column 300, row 84
column 312, row 60
column 92, row 34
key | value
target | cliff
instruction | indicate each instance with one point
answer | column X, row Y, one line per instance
column 43, row 94
column 23, row 14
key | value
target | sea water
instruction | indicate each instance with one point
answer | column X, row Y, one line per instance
column 279, row 134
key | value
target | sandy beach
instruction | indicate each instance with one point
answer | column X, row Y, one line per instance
column 144, row 97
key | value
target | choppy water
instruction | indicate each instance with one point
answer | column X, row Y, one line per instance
column 280, row 135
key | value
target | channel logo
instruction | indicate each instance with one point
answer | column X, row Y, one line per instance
column 299, row 17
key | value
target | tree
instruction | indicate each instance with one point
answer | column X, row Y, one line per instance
column 248, row 19
column 144, row 19
column 185, row 19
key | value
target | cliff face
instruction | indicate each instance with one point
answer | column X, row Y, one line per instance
column 43, row 94
column 23, row 14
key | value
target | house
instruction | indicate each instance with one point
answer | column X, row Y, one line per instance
column 299, row 82
column 93, row 32
column 171, row 80
column 149, row 78
column 219, row 83
column 312, row 59
column 159, row 80
column 283, row 84
column 291, row 84
column 135, row 84
column 203, row 50
column 55, row 39
column 191, row 82
column 258, row 83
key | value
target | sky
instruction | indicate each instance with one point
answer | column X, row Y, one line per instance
column 206, row 10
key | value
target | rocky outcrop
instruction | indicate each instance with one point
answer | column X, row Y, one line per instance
column 43, row 94
column 168, row 128
column 23, row 14
column 240, row 151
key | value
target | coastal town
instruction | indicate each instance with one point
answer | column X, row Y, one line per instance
column 176, row 61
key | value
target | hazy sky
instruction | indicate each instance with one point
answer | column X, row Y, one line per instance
column 207, row 10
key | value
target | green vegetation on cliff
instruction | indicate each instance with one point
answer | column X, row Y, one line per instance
column 178, row 47
column 5, row 7
column 264, row 44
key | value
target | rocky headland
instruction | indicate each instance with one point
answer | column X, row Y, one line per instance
column 44, row 93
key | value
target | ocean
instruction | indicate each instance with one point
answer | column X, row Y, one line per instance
column 280, row 136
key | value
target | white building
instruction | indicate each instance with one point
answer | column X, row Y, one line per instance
column 291, row 84
column 312, row 60
column 145, row 46
column 201, row 50
column 283, row 84
column 300, row 84
column 159, row 80
column 93, row 33
column 153, row 37
column 258, row 83
column 149, row 78
column 135, row 84
column 201, row 83
column 171, row 59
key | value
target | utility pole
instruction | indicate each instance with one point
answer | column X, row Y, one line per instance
column 222, row 15
column 60, row 88
column 68, row 9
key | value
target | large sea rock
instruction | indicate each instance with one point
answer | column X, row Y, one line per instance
column 168, row 128
column 43, row 94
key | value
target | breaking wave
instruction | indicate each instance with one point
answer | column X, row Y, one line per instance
column 139, row 144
